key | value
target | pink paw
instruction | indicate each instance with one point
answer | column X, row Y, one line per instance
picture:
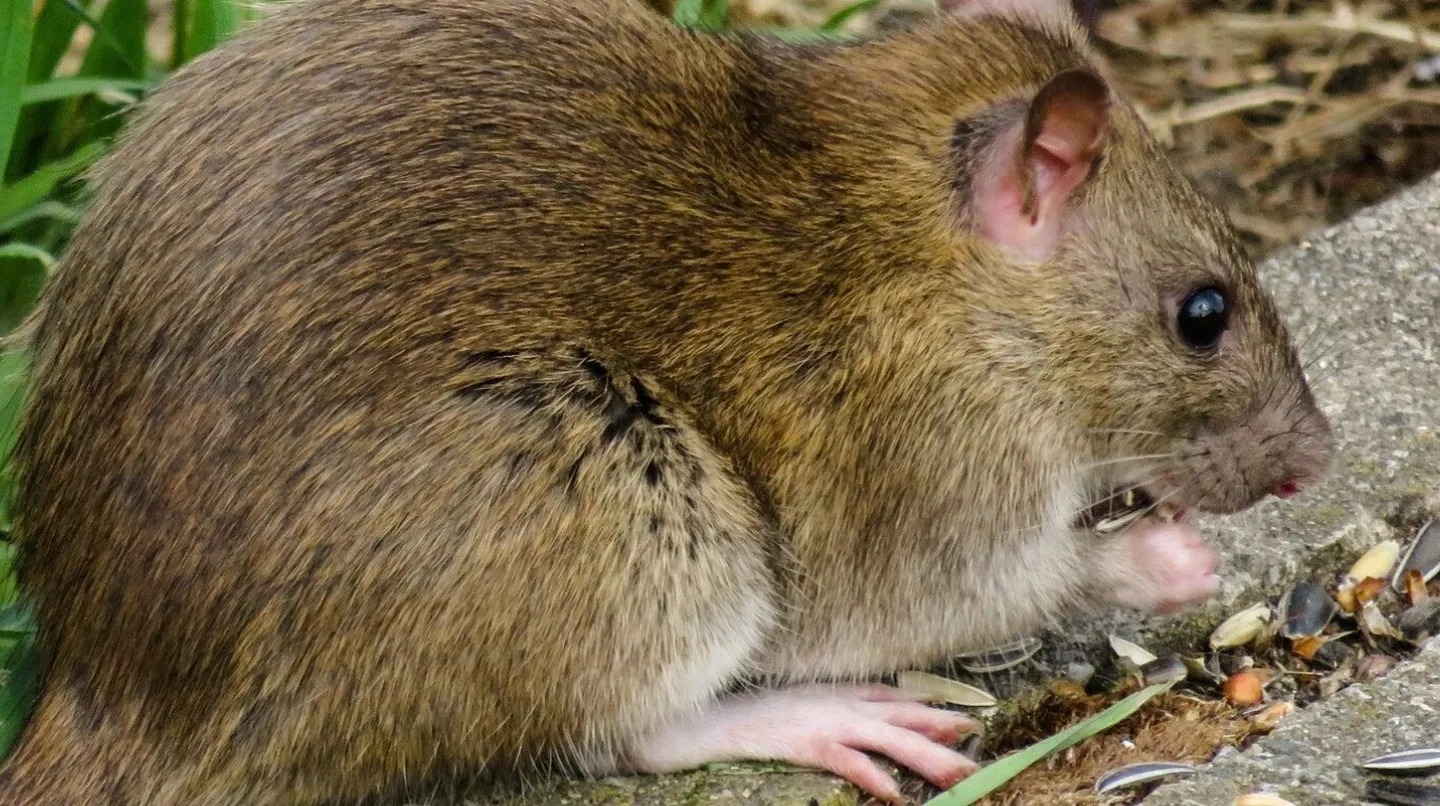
column 826, row 727
column 1167, row 567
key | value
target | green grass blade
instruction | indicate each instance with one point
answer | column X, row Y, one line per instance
column 16, row 23
column 44, row 211
column 25, row 251
column 54, row 29
column 17, row 695
column 837, row 20
column 214, row 21
column 995, row 775
column 58, row 89
column 37, row 187
column 119, row 45
column 706, row 15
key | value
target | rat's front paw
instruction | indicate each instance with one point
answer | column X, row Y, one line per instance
column 1161, row 567
column 826, row 727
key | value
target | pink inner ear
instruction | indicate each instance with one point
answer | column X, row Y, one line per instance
column 1030, row 172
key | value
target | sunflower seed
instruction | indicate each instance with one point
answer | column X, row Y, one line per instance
column 1000, row 658
column 1307, row 608
column 1419, row 759
column 1241, row 628
column 1401, row 793
column 1169, row 669
column 1136, row 774
column 943, row 689
column 1424, row 554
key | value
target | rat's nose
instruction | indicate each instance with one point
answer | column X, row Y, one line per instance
column 1287, row 489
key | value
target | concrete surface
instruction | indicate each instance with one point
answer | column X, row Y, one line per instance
column 1363, row 300
column 1313, row 757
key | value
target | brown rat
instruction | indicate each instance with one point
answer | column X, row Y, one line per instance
column 438, row 387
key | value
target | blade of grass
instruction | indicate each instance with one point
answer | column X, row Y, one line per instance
column 706, row 15
column 54, row 28
column 16, row 24
column 38, row 186
column 837, row 20
column 17, row 695
column 61, row 88
column 993, row 776
column 52, row 210
column 25, row 251
column 104, row 37
column 213, row 22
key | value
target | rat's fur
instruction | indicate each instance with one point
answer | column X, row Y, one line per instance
column 446, row 385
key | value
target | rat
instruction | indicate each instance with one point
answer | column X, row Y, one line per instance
column 451, row 388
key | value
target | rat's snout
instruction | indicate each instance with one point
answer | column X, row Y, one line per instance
column 1282, row 446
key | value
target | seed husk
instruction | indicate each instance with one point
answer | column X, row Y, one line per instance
column 999, row 658
column 1375, row 624
column 1423, row 554
column 1131, row 651
column 943, row 689
column 1137, row 774
column 1169, row 669
column 1415, row 589
column 1420, row 759
column 1401, row 793
column 1421, row 621
column 1307, row 609
column 1241, row 628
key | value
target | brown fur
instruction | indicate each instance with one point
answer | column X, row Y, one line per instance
column 438, row 386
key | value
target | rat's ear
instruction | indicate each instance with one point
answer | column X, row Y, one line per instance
column 1026, row 175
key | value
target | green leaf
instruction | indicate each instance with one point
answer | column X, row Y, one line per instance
column 16, row 23
column 38, row 186
column 993, row 776
column 839, row 18
column 61, row 88
column 50, row 210
column 706, row 15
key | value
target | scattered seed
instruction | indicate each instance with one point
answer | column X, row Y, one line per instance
column 1261, row 799
column 1169, row 669
column 1415, row 589
column 1421, row 621
column 1401, row 793
column 1307, row 608
column 943, row 689
column 1271, row 715
column 1136, row 774
column 1000, row 658
column 1244, row 688
column 1375, row 624
column 1307, row 647
column 1379, row 561
column 1423, row 554
column 1241, row 628
column 1416, row 760
column 1373, row 666
column 1132, row 651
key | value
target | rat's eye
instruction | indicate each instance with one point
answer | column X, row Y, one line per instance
column 1203, row 316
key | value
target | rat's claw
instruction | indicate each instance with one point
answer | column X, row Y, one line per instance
column 826, row 727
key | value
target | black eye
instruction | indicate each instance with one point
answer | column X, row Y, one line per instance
column 1203, row 316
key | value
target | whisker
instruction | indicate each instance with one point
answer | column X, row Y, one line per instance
column 1125, row 431
column 1118, row 460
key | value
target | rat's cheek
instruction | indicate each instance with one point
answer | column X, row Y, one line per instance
column 1160, row 567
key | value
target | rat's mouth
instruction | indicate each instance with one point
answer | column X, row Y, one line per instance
column 1120, row 508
